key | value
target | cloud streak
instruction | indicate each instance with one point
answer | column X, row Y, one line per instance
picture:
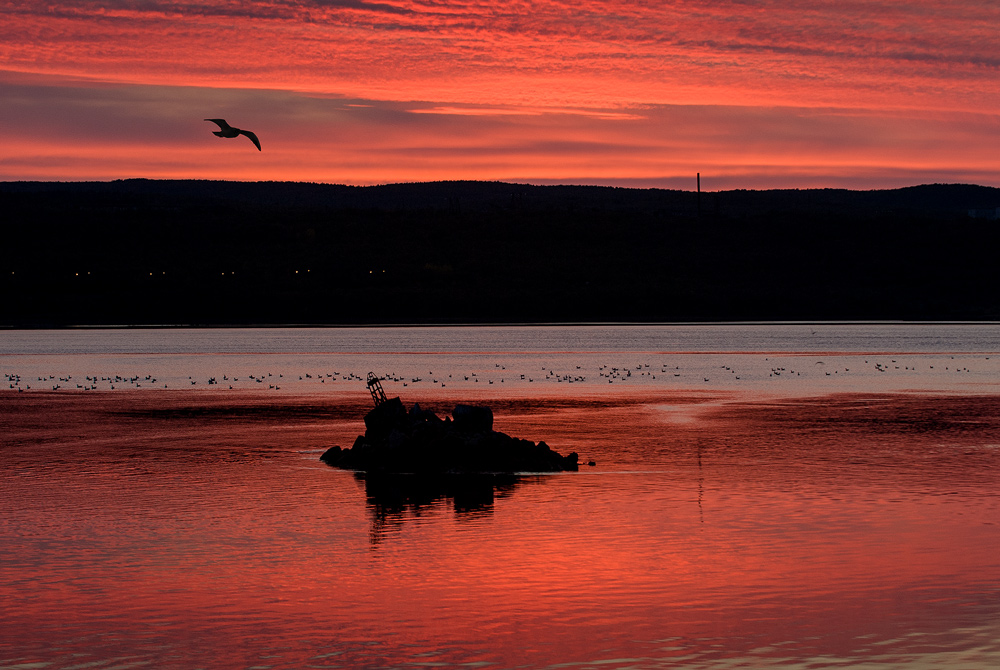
column 592, row 89
column 54, row 129
column 892, row 53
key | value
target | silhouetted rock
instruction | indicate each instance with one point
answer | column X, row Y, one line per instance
column 384, row 418
column 472, row 419
column 396, row 441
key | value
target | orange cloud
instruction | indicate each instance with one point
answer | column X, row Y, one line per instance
column 889, row 52
column 582, row 91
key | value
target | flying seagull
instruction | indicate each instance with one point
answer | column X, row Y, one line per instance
column 226, row 130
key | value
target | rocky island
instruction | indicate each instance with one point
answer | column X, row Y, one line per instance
column 419, row 441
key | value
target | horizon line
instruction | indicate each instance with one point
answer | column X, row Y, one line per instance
column 533, row 184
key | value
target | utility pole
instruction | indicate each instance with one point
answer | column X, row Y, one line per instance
column 699, row 194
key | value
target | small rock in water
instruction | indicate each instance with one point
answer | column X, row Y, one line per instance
column 419, row 441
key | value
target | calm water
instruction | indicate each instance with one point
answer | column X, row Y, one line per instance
column 764, row 496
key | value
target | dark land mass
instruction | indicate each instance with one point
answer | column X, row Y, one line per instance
column 418, row 441
column 141, row 252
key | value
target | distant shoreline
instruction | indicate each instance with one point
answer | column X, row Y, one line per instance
column 148, row 253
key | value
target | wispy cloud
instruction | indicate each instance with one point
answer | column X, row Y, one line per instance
column 524, row 111
column 891, row 53
column 382, row 90
column 69, row 130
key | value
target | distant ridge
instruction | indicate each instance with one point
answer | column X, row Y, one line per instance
column 142, row 251
column 442, row 194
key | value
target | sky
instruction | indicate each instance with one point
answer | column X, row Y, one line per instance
column 750, row 94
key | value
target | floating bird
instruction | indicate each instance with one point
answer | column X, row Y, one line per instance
column 226, row 130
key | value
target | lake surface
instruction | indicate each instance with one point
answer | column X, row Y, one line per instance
column 800, row 496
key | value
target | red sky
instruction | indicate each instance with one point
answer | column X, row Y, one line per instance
column 752, row 94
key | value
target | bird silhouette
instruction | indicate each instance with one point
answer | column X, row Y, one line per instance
column 226, row 130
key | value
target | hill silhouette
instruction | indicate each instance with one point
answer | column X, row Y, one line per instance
column 233, row 253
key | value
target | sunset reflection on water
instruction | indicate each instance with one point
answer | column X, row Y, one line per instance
column 722, row 527
column 184, row 530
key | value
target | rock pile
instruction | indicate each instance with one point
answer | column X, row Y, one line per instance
column 418, row 441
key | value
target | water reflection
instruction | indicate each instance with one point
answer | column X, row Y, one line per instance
column 392, row 499
column 199, row 529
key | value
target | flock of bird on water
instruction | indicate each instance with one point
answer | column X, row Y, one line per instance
column 641, row 374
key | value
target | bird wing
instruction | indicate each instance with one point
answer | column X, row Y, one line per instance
column 220, row 122
column 253, row 138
